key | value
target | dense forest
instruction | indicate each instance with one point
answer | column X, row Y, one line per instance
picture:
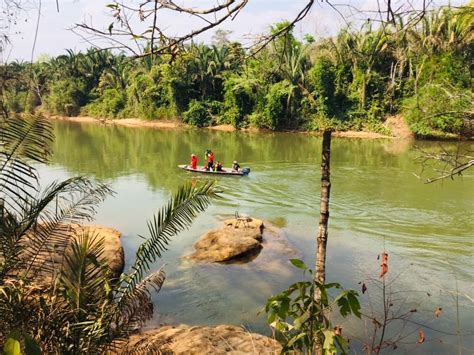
column 354, row 80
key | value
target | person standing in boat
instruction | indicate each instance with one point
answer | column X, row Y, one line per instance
column 194, row 161
column 210, row 159
column 235, row 166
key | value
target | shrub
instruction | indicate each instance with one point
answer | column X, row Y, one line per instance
column 436, row 109
column 109, row 105
column 66, row 97
column 322, row 78
column 275, row 110
column 239, row 99
column 198, row 114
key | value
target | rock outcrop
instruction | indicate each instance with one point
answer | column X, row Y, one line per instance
column 185, row 339
column 113, row 251
column 113, row 254
column 238, row 238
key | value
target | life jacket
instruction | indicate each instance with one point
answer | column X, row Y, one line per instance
column 194, row 162
column 210, row 158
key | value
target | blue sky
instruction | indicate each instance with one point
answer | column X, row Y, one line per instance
column 54, row 34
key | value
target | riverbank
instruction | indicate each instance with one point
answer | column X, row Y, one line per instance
column 395, row 124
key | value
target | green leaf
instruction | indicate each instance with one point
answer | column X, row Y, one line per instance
column 328, row 345
column 300, row 320
column 342, row 343
column 344, row 307
column 299, row 264
column 31, row 346
column 354, row 303
column 333, row 284
column 283, row 309
column 295, row 339
column 12, row 344
column 271, row 318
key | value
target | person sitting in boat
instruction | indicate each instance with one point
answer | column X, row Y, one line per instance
column 194, row 161
column 219, row 166
column 235, row 166
column 210, row 159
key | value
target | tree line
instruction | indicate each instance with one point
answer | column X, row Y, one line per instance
column 354, row 80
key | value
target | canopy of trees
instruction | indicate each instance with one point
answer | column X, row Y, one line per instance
column 351, row 81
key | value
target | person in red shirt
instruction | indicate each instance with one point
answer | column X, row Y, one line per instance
column 194, row 161
column 210, row 159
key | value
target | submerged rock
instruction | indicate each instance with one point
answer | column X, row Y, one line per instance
column 238, row 238
column 185, row 339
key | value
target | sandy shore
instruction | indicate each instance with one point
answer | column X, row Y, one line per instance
column 360, row 134
column 395, row 123
column 129, row 122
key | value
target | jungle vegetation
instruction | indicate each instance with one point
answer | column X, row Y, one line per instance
column 354, row 80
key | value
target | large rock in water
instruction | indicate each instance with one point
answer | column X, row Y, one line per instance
column 113, row 254
column 236, row 239
column 185, row 339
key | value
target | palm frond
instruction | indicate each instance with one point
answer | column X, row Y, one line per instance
column 22, row 141
column 84, row 277
column 172, row 219
column 137, row 306
column 38, row 238
column 52, row 220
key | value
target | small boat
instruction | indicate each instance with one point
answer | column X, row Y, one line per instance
column 225, row 171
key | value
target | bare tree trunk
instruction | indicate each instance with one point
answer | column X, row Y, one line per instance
column 320, row 274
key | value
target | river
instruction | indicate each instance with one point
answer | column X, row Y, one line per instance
column 377, row 204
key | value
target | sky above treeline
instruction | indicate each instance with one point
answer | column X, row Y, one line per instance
column 55, row 35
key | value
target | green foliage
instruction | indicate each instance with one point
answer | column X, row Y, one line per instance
column 351, row 81
column 239, row 99
column 12, row 344
column 322, row 79
column 300, row 321
column 147, row 95
column 198, row 114
column 109, row 105
column 276, row 105
column 66, row 97
column 438, row 108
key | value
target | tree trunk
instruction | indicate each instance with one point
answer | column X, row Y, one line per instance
column 320, row 274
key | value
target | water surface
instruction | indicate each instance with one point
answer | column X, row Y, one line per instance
column 377, row 204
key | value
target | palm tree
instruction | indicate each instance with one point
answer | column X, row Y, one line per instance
column 116, row 75
column 76, row 307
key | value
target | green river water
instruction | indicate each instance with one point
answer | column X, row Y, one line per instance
column 377, row 204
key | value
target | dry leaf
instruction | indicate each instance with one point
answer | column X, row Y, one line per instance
column 438, row 312
column 384, row 264
column 421, row 336
column 337, row 330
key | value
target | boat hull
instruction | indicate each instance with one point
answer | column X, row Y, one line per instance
column 225, row 171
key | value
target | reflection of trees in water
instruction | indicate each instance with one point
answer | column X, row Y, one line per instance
column 107, row 152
